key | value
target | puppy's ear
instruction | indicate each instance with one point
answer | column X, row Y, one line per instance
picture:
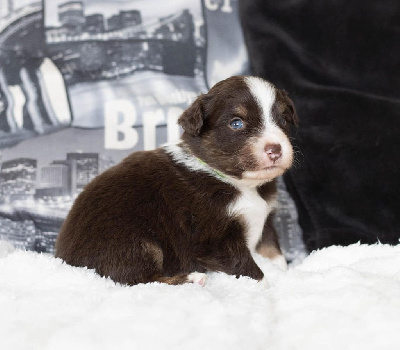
column 192, row 118
column 290, row 111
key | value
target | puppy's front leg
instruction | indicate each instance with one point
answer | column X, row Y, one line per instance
column 232, row 261
column 269, row 247
column 230, row 255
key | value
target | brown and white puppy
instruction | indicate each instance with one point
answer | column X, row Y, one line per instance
column 203, row 204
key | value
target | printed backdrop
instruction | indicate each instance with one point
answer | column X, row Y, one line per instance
column 85, row 83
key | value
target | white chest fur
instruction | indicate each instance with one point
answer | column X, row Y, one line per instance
column 254, row 211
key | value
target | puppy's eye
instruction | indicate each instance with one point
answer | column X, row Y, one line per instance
column 236, row 124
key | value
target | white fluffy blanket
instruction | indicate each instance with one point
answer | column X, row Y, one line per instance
column 338, row 298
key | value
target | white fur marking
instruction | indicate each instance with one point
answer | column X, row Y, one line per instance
column 180, row 156
column 264, row 94
column 198, row 278
column 254, row 210
column 264, row 283
column 280, row 261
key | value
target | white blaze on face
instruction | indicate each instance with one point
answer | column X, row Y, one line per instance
column 265, row 96
column 264, row 93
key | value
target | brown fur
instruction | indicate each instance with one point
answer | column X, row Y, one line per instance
column 268, row 246
column 151, row 219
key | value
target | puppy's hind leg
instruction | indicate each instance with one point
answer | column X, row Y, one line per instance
column 148, row 267
column 153, row 253
column 194, row 277
column 138, row 264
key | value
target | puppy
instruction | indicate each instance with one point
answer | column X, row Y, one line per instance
column 203, row 204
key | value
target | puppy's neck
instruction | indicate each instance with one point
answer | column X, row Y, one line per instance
column 217, row 173
column 182, row 154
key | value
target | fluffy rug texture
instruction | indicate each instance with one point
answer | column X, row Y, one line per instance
column 338, row 297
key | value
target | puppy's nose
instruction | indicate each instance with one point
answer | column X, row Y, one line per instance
column 274, row 151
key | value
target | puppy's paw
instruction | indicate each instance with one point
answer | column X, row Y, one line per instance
column 263, row 283
column 280, row 261
column 197, row 278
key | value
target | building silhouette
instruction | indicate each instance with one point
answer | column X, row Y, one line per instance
column 130, row 18
column 54, row 181
column 71, row 15
column 87, row 168
column 114, row 23
column 180, row 38
column 18, row 179
column 21, row 233
column 94, row 24
column 124, row 19
column 54, row 175
column 71, row 174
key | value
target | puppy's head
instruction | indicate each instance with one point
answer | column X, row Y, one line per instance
column 240, row 127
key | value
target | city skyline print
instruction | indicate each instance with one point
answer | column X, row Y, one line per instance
column 35, row 200
column 108, row 51
column 106, row 39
